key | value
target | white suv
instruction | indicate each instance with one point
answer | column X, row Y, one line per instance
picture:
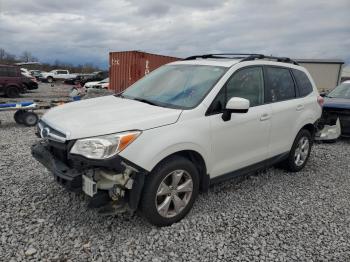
column 179, row 129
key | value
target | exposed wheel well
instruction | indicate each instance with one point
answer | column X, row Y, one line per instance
column 310, row 128
column 199, row 163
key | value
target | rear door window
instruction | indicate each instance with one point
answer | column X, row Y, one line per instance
column 280, row 84
column 12, row 71
column 303, row 82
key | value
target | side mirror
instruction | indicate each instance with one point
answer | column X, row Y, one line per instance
column 235, row 105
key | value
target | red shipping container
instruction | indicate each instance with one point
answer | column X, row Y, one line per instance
column 125, row 68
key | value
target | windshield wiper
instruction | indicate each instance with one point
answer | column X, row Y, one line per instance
column 146, row 101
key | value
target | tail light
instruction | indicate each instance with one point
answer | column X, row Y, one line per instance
column 320, row 101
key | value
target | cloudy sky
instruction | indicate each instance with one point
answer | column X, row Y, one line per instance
column 80, row 31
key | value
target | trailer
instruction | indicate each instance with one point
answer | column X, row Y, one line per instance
column 24, row 112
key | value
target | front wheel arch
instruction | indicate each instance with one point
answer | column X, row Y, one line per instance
column 311, row 128
column 199, row 162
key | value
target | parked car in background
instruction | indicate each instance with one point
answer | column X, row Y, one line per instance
column 94, row 77
column 179, row 129
column 25, row 72
column 74, row 80
column 30, row 83
column 90, row 84
column 337, row 106
column 56, row 75
column 11, row 81
column 104, row 84
column 35, row 73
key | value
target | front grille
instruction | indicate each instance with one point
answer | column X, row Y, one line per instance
column 46, row 131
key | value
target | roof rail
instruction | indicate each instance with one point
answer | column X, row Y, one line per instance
column 244, row 57
column 221, row 55
column 277, row 58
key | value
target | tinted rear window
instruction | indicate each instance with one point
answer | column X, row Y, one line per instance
column 304, row 84
column 280, row 84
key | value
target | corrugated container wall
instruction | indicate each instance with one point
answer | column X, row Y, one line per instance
column 125, row 68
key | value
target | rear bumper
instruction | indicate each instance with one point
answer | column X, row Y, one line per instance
column 64, row 175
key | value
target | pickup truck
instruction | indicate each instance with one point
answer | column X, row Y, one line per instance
column 56, row 75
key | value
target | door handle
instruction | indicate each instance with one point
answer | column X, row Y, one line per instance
column 300, row 107
column 265, row 117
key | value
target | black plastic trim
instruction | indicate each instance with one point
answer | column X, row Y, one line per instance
column 250, row 169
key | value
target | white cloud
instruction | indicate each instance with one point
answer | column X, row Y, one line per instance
column 85, row 31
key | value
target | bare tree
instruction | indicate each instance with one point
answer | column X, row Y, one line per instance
column 26, row 56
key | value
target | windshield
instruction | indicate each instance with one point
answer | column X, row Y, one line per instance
column 176, row 86
column 341, row 91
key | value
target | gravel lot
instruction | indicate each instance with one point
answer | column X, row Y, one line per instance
column 274, row 215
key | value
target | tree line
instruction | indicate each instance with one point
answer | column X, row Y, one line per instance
column 26, row 56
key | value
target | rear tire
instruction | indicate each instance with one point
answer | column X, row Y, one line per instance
column 170, row 191
column 30, row 119
column 300, row 152
column 12, row 92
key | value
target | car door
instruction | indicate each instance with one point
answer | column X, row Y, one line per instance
column 243, row 140
column 281, row 93
column 61, row 74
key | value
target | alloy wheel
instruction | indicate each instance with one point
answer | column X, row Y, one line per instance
column 301, row 151
column 174, row 193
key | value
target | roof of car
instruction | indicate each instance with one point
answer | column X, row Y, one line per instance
column 209, row 62
column 8, row 65
column 230, row 59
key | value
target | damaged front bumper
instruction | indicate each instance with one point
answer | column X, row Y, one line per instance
column 329, row 132
column 107, row 182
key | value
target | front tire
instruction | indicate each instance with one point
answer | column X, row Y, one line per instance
column 170, row 191
column 300, row 152
column 50, row 79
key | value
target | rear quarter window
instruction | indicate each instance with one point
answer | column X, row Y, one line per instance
column 303, row 82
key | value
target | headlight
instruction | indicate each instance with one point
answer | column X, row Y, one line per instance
column 103, row 147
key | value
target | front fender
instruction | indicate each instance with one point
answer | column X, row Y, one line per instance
column 153, row 145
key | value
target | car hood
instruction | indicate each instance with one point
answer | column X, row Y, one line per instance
column 107, row 115
column 336, row 103
column 90, row 84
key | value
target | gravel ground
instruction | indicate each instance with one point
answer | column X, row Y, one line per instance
column 271, row 216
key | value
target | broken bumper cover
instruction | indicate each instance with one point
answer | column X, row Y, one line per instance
column 329, row 132
column 66, row 176
column 72, row 178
